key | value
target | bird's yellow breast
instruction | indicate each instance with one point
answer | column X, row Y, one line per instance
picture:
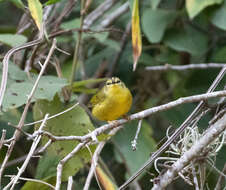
column 116, row 102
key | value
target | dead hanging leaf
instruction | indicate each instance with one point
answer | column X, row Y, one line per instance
column 136, row 34
column 35, row 8
column 105, row 182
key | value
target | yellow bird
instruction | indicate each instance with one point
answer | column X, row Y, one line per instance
column 112, row 101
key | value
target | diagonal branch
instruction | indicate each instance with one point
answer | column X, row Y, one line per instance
column 212, row 133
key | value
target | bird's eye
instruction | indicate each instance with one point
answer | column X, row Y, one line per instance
column 108, row 83
column 117, row 81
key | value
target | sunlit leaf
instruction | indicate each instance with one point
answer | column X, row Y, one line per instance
column 136, row 34
column 194, row 7
column 35, row 8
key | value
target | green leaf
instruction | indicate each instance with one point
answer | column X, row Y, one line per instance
column 75, row 122
column 47, row 165
column 154, row 23
column 74, row 23
column 145, row 145
column 154, row 3
column 189, row 40
column 35, row 8
column 80, row 86
column 85, row 90
column 218, row 17
column 19, row 87
column 86, row 82
column 194, row 7
column 219, row 55
column 50, row 2
column 18, row 3
column 17, row 92
column 12, row 40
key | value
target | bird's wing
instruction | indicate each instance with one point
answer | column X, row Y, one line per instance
column 97, row 98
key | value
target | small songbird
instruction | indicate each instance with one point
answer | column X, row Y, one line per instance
column 112, row 101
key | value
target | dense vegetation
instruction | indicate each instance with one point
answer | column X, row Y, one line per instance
column 69, row 47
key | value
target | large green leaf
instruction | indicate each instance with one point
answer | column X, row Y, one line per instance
column 154, row 23
column 154, row 3
column 194, row 7
column 12, row 40
column 189, row 40
column 19, row 87
column 218, row 17
column 74, row 122
column 145, row 145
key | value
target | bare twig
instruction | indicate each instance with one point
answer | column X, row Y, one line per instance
column 119, row 53
column 98, row 12
column 221, row 179
column 63, row 161
column 53, row 116
column 111, row 17
column 2, row 138
column 134, row 142
column 95, row 159
column 94, row 164
column 34, row 145
column 66, row 11
column 213, row 132
column 177, row 133
column 70, row 183
column 21, row 122
column 6, row 62
column 33, row 180
column 77, row 47
column 167, row 67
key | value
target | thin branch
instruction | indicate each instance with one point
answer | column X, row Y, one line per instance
column 95, row 159
column 212, row 133
column 134, row 141
column 178, row 132
column 221, row 179
column 119, row 53
column 34, row 145
column 94, row 164
column 167, row 67
column 5, row 63
column 2, row 138
column 63, row 161
column 117, row 13
column 66, row 11
column 33, row 180
column 77, row 47
column 21, row 122
column 53, row 116
column 139, row 115
column 70, row 183
column 98, row 12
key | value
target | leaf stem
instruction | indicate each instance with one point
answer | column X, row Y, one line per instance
column 75, row 58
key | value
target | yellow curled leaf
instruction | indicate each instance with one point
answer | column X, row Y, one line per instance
column 105, row 182
column 35, row 8
column 136, row 34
